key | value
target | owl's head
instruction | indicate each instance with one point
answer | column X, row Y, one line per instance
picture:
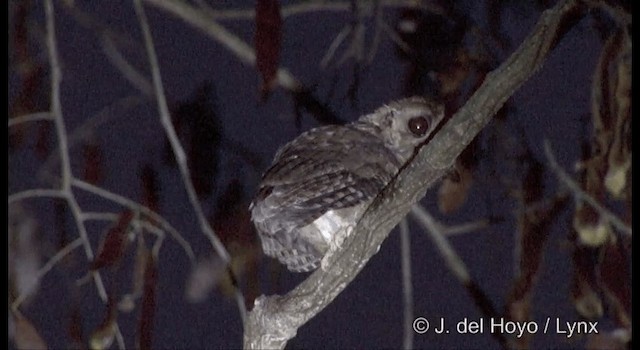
column 406, row 123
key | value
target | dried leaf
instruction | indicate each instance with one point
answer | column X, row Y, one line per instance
column 618, row 339
column 128, row 301
column 24, row 253
column 534, row 231
column 619, row 161
column 60, row 216
column 114, row 243
column 585, row 294
column 200, row 132
column 268, row 42
column 454, row 76
column 304, row 100
column 615, row 274
column 93, row 160
column 592, row 229
column 25, row 335
column 150, row 186
column 142, row 259
column 32, row 92
column 43, row 140
column 75, row 327
column 145, row 323
column 205, row 276
column 102, row 337
column 453, row 192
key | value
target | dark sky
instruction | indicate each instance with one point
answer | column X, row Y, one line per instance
column 553, row 104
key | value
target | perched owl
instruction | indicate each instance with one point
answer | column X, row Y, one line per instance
column 320, row 183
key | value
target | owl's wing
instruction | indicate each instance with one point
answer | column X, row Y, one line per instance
column 328, row 168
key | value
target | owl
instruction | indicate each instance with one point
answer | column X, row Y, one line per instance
column 320, row 184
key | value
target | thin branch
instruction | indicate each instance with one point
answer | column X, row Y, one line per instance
column 176, row 147
column 580, row 195
column 331, row 51
column 56, row 111
column 466, row 227
column 32, row 117
column 155, row 217
column 209, row 26
column 452, row 259
column 407, row 285
column 35, row 193
column 66, row 250
column 56, row 107
column 437, row 234
column 86, row 129
column 129, row 72
column 319, row 6
column 100, row 216
column 275, row 319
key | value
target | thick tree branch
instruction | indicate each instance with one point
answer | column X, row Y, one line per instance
column 275, row 319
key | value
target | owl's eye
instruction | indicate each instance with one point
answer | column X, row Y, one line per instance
column 418, row 126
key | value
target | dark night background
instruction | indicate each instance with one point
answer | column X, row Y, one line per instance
column 244, row 133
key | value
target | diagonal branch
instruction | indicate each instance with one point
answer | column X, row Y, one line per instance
column 275, row 319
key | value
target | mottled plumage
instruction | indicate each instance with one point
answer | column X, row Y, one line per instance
column 320, row 183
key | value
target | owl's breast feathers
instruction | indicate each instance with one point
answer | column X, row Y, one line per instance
column 332, row 171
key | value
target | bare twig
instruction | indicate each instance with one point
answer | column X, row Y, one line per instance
column 35, row 193
column 176, row 147
column 466, row 227
column 452, row 259
column 242, row 50
column 33, row 117
column 86, row 129
column 581, row 195
column 129, row 72
column 60, row 254
column 155, row 217
column 320, row 6
column 407, row 285
column 56, row 111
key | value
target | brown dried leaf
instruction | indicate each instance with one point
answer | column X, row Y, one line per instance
column 43, row 140
column 145, row 323
column 592, row 229
column 150, row 186
column 268, row 42
column 453, row 192
column 618, row 339
column 534, row 230
column 587, row 302
column 454, row 75
column 303, row 100
column 102, row 337
column 25, row 335
column 619, row 161
column 142, row 259
column 615, row 274
column 114, row 243
column 75, row 327
column 204, row 276
column 201, row 134
column 93, row 160
column 586, row 297
column 24, row 258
